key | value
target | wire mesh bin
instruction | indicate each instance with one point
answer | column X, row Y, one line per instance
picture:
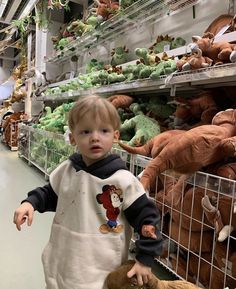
column 45, row 150
column 199, row 231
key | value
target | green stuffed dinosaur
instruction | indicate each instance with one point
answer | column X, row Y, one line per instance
column 119, row 55
column 143, row 126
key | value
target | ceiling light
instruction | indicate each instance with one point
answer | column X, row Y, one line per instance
column 3, row 4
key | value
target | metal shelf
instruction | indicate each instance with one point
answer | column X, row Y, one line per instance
column 141, row 12
column 137, row 86
column 211, row 76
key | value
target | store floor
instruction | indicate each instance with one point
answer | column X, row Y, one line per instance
column 20, row 252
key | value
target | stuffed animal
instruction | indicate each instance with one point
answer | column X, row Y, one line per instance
column 161, row 43
column 152, row 147
column 79, row 28
column 219, row 52
column 118, row 279
column 194, row 149
column 105, row 8
column 120, row 100
column 194, row 111
column 158, row 108
column 191, row 267
column 221, row 214
column 143, row 126
column 119, row 55
column 146, row 57
column 195, row 61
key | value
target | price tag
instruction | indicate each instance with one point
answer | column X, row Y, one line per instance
column 72, row 74
column 166, row 47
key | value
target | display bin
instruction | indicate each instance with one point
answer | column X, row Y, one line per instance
column 199, row 233
column 42, row 149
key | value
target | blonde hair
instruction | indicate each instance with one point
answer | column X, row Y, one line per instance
column 99, row 108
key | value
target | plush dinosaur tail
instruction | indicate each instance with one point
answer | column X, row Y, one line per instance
column 144, row 150
column 153, row 169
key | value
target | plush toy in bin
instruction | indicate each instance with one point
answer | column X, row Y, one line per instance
column 193, row 150
column 144, row 127
column 118, row 279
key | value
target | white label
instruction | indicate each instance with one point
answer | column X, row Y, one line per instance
column 222, row 30
column 166, row 47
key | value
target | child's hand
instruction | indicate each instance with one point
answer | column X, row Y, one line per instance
column 142, row 273
column 23, row 213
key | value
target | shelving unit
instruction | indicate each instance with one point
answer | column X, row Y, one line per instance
column 187, row 80
column 138, row 14
column 39, row 150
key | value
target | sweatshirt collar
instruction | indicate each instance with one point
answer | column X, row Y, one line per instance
column 103, row 168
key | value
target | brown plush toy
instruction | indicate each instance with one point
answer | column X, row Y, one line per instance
column 118, row 279
column 219, row 52
column 120, row 100
column 201, row 108
column 153, row 146
column 194, row 149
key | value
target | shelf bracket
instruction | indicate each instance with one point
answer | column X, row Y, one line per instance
column 172, row 90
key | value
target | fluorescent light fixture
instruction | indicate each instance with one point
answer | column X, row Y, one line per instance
column 3, row 4
column 30, row 5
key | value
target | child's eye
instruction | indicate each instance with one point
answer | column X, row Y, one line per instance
column 105, row 130
column 85, row 131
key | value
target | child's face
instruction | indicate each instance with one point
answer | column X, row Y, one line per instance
column 93, row 138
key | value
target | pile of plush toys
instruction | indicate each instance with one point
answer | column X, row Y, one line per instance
column 182, row 135
column 210, row 148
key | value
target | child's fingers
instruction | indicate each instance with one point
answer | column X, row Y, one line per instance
column 19, row 220
column 131, row 273
column 30, row 218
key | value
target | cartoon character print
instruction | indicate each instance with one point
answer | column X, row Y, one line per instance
column 111, row 199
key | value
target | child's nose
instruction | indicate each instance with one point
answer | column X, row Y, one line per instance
column 94, row 136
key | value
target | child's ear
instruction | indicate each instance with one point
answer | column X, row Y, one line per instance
column 72, row 140
column 116, row 135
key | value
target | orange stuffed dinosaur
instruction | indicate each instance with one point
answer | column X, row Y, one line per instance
column 120, row 100
column 152, row 147
column 188, row 152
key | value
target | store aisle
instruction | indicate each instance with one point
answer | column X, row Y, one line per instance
column 20, row 252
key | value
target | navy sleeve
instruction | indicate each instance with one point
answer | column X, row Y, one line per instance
column 43, row 199
column 144, row 212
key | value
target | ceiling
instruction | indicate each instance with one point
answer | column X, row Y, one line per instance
column 10, row 10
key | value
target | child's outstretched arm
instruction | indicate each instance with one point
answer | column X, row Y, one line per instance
column 41, row 199
column 24, row 212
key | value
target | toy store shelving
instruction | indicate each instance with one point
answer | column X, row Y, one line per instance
column 208, row 264
column 205, row 77
column 137, row 14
